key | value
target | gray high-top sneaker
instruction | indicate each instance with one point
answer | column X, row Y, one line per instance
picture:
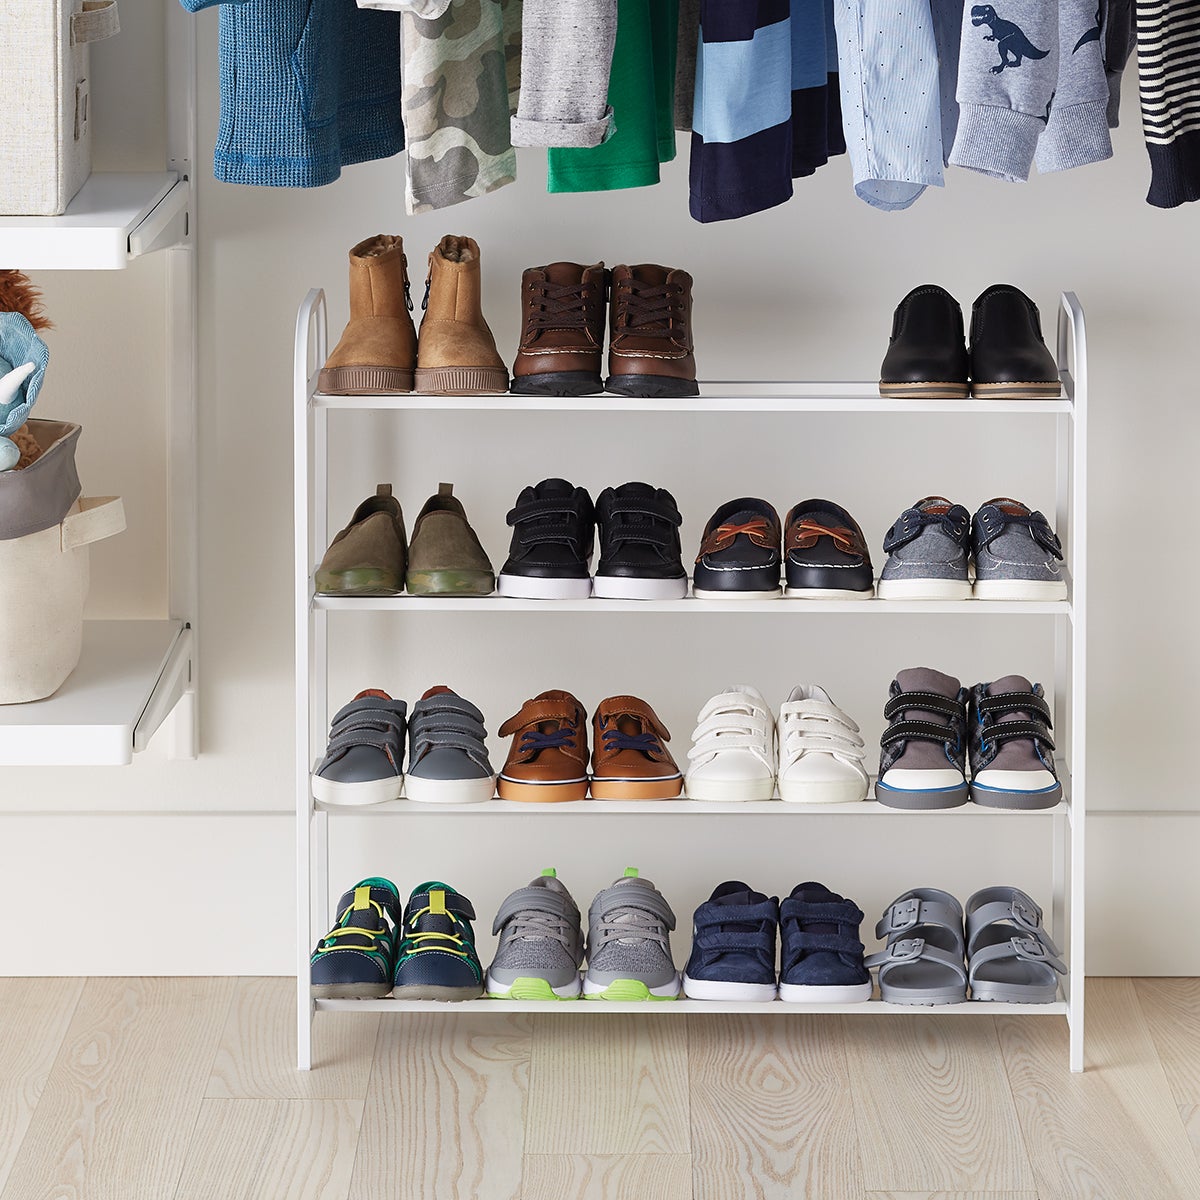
column 928, row 548
column 1017, row 554
column 447, row 755
column 629, row 943
column 541, row 944
column 1012, row 752
column 923, row 764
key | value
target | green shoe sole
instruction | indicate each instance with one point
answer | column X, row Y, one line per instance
column 360, row 581
column 450, row 583
column 626, row 989
column 529, row 989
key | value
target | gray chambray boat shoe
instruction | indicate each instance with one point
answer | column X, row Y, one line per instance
column 1011, row 748
column 541, row 944
column 928, row 550
column 447, row 752
column 629, row 943
column 364, row 761
column 1010, row 957
column 1017, row 554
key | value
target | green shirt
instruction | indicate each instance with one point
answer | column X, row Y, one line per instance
column 641, row 91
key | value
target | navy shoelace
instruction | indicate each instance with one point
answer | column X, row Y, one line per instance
column 533, row 739
column 647, row 743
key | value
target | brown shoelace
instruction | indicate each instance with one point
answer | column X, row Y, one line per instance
column 559, row 305
column 758, row 530
column 649, row 310
column 805, row 533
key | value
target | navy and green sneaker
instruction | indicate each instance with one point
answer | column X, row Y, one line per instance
column 356, row 958
column 437, row 959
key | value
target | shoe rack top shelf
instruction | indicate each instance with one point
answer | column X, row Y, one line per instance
column 612, row 1008
column 691, row 606
column 116, row 216
column 716, row 397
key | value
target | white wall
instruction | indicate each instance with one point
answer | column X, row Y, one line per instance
column 806, row 290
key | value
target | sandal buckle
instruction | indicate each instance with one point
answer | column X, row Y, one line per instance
column 902, row 915
column 1027, row 917
column 906, row 949
column 1029, row 948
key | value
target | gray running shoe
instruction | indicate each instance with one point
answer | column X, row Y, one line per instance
column 541, row 944
column 1016, row 554
column 927, row 551
column 447, row 755
column 629, row 943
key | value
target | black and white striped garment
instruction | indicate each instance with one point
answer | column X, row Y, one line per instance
column 1168, row 46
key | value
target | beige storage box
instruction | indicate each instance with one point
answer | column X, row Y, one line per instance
column 45, row 101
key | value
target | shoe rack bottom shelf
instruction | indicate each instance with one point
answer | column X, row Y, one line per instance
column 976, row 1008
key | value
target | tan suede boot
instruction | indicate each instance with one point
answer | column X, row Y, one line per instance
column 378, row 350
column 456, row 351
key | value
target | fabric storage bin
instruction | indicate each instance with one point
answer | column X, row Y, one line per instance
column 45, row 103
column 45, row 530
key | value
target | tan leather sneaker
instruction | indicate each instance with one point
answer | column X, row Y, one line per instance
column 456, row 353
column 548, row 759
column 650, row 346
column 563, row 308
column 378, row 350
column 629, row 761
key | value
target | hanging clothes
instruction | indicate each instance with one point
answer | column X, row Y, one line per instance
column 566, row 60
column 685, row 67
column 1119, row 39
column 766, row 108
column 641, row 93
column 1168, row 46
column 891, row 109
column 460, row 83
column 307, row 87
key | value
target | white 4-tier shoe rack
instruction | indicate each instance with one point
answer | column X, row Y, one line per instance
column 1062, row 826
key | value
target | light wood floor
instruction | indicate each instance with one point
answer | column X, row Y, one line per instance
column 182, row 1089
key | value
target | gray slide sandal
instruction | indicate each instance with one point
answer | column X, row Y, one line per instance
column 1012, row 958
column 923, row 960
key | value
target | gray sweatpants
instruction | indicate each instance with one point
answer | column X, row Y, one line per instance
column 567, row 49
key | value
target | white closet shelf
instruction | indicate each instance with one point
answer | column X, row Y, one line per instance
column 717, row 397
column 599, row 1008
column 690, row 606
column 116, row 216
column 680, row 808
column 130, row 676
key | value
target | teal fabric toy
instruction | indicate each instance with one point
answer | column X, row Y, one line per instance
column 23, row 360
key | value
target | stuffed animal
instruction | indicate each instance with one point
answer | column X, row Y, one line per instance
column 23, row 358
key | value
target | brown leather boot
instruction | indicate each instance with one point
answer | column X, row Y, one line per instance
column 629, row 758
column 650, row 348
column 549, row 755
column 456, row 353
column 378, row 350
column 562, row 330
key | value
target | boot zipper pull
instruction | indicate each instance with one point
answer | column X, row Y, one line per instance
column 425, row 298
column 408, row 300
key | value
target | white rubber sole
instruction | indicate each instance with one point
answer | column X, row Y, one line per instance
column 619, row 587
column 923, row 589
column 712, row 989
column 842, row 791
column 632, row 989
column 1020, row 589
column 449, row 791
column 729, row 791
column 529, row 587
column 351, row 795
column 709, row 594
column 827, row 594
column 797, row 993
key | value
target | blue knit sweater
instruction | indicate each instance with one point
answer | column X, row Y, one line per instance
column 307, row 87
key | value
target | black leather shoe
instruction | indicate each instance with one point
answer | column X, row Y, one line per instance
column 739, row 555
column 1009, row 359
column 554, row 530
column 827, row 555
column 639, row 544
column 927, row 356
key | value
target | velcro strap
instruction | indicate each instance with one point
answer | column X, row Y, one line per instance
column 631, row 706
column 1012, row 730
column 910, row 950
column 539, row 534
column 1028, row 949
column 537, row 711
column 453, row 903
column 539, row 509
column 645, row 508
column 835, row 942
column 472, row 747
column 445, row 702
column 843, row 912
column 426, row 727
column 614, row 898
column 532, row 899
column 720, row 942
column 396, row 710
column 926, row 701
column 925, row 731
column 911, row 913
column 1005, row 702
column 709, row 916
